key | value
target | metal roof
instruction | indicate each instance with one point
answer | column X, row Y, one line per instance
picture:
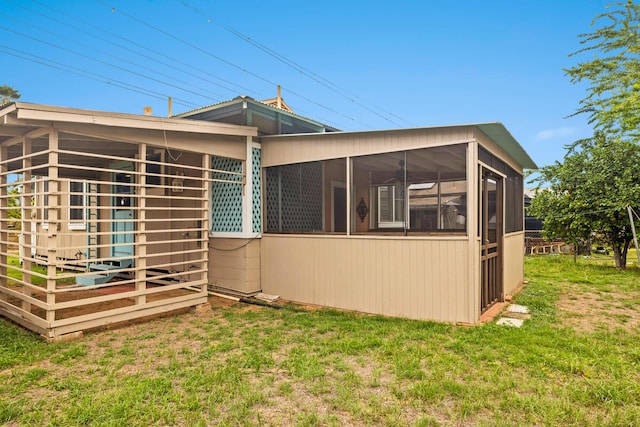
column 503, row 138
column 242, row 98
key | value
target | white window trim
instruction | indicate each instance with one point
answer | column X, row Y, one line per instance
column 389, row 224
column 78, row 224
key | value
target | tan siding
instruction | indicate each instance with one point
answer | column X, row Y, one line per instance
column 414, row 278
column 513, row 261
column 234, row 264
column 291, row 149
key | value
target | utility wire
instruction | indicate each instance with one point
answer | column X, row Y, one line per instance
column 229, row 63
column 138, row 52
column 303, row 70
column 319, row 79
column 92, row 76
column 106, row 53
column 109, row 64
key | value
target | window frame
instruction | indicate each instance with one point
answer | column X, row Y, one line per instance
column 395, row 222
column 73, row 222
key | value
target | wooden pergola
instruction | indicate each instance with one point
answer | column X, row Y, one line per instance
column 105, row 217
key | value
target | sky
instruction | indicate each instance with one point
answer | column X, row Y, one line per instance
column 355, row 65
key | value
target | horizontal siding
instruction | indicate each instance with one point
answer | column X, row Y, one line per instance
column 293, row 149
column 513, row 261
column 412, row 278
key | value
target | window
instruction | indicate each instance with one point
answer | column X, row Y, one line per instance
column 514, row 191
column 514, row 200
column 438, row 205
column 391, row 203
column 294, row 197
column 422, row 190
column 307, row 197
column 76, row 205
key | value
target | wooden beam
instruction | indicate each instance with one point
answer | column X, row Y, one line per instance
column 3, row 221
column 140, row 235
column 130, row 121
column 36, row 133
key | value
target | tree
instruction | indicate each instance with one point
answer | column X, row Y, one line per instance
column 613, row 95
column 8, row 94
column 589, row 193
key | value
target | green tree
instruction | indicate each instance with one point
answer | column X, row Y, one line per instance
column 8, row 94
column 612, row 71
column 589, row 193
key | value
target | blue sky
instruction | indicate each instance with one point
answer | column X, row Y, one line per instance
column 359, row 64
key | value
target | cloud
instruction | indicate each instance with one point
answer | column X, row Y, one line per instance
column 547, row 134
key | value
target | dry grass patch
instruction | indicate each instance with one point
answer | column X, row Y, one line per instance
column 588, row 311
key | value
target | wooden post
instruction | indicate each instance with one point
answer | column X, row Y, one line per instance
column 3, row 219
column 206, row 210
column 54, row 224
column 26, row 233
column 140, row 236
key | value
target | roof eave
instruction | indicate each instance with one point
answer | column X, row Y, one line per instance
column 43, row 113
column 499, row 134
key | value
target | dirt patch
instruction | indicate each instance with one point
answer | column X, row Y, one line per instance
column 588, row 311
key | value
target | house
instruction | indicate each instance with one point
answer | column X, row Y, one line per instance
column 129, row 216
column 532, row 225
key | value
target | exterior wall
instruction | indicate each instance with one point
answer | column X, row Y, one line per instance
column 415, row 278
column 291, row 149
column 234, row 265
column 70, row 238
column 513, row 261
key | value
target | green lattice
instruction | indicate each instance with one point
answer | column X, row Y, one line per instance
column 226, row 197
column 255, row 177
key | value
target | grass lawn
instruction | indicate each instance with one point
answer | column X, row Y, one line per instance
column 575, row 362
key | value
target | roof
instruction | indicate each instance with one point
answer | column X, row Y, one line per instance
column 268, row 103
column 503, row 138
column 16, row 118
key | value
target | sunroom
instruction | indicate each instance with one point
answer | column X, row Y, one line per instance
column 107, row 217
column 420, row 223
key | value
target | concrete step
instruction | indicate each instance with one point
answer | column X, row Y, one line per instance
column 93, row 279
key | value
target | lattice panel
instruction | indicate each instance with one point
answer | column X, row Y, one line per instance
column 294, row 197
column 226, row 197
column 255, row 178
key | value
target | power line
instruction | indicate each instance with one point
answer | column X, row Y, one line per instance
column 229, row 63
column 303, row 70
column 92, row 76
column 319, row 79
column 137, row 52
column 97, row 60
